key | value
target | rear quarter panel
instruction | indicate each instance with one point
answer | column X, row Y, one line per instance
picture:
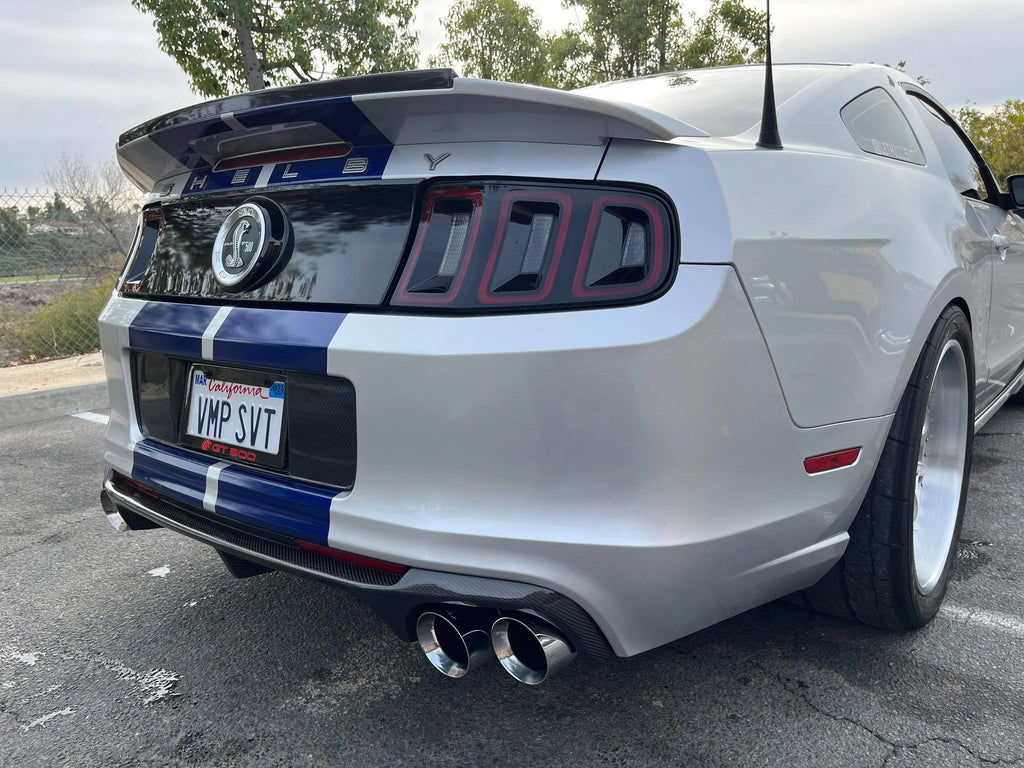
column 847, row 258
column 848, row 262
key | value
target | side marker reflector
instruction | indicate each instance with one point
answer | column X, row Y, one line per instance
column 814, row 465
column 348, row 557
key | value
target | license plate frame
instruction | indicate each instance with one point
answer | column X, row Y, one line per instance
column 244, row 382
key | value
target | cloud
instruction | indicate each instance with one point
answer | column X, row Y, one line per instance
column 73, row 76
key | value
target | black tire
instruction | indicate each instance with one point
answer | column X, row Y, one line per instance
column 878, row 581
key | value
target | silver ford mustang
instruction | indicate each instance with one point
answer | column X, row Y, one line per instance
column 541, row 374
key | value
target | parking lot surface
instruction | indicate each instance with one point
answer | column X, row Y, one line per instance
column 139, row 649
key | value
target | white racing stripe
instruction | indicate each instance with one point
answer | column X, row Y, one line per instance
column 212, row 481
column 98, row 418
column 211, row 331
column 231, row 120
column 1001, row 622
column 264, row 178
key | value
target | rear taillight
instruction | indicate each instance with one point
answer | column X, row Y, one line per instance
column 507, row 247
column 440, row 256
column 146, row 240
column 624, row 251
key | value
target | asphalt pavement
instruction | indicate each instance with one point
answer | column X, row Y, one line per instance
column 139, row 649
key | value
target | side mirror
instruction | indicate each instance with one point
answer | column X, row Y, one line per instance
column 1016, row 185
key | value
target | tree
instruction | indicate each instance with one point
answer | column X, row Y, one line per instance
column 58, row 210
column 13, row 234
column 228, row 46
column 569, row 60
column 998, row 135
column 108, row 208
column 730, row 33
column 628, row 38
column 494, row 39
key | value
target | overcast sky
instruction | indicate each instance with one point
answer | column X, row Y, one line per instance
column 74, row 74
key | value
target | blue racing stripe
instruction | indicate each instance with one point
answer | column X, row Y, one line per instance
column 174, row 329
column 338, row 114
column 334, row 169
column 177, row 140
column 277, row 338
column 339, row 117
column 178, row 474
column 275, row 503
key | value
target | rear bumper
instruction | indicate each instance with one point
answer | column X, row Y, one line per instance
column 638, row 461
column 398, row 599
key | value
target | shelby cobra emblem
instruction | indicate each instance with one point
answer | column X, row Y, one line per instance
column 250, row 244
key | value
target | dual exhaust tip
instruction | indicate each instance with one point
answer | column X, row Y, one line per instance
column 528, row 650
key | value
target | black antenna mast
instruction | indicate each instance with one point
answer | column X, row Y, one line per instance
column 769, row 138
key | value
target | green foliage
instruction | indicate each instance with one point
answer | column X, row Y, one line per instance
column 730, row 33
column 58, row 210
column 31, row 256
column 569, row 60
column 227, row 46
column 68, row 326
column 494, row 39
column 628, row 38
column 13, row 234
column 502, row 40
column 998, row 135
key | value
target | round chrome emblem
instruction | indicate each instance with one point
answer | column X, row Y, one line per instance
column 251, row 242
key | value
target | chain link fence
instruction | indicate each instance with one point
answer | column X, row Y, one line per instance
column 59, row 259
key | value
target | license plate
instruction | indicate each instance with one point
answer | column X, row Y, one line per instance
column 236, row 415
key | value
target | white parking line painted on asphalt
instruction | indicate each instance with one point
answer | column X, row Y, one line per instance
column 47, row 718
column 99, row 418
column 29, row 658
column 1001, row 622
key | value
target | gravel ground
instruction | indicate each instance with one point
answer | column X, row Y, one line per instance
column 66, row 372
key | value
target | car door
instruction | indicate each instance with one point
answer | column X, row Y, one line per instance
column 1006, row 315
column 994, row 233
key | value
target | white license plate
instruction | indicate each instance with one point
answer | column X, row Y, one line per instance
column 246, row 416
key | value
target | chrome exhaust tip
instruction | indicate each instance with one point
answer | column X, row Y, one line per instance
column 113, row 516
column 529, row 651
column 452, row 652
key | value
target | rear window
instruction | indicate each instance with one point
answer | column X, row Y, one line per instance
column 879, row 127
column 720, row 101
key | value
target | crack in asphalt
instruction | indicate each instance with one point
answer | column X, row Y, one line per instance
column 797, row 687
column 949, row 741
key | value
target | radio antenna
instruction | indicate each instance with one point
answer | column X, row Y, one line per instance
column 769, row 138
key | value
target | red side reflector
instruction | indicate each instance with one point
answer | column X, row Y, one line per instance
column 135, row 485
column 348, row 557
column 823, row 463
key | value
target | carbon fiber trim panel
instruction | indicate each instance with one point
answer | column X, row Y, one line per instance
column 398, row 600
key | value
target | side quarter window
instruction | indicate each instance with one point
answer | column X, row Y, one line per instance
column 878, row 126
column 963, row 170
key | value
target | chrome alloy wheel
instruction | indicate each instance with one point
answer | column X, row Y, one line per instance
column 940, row 467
